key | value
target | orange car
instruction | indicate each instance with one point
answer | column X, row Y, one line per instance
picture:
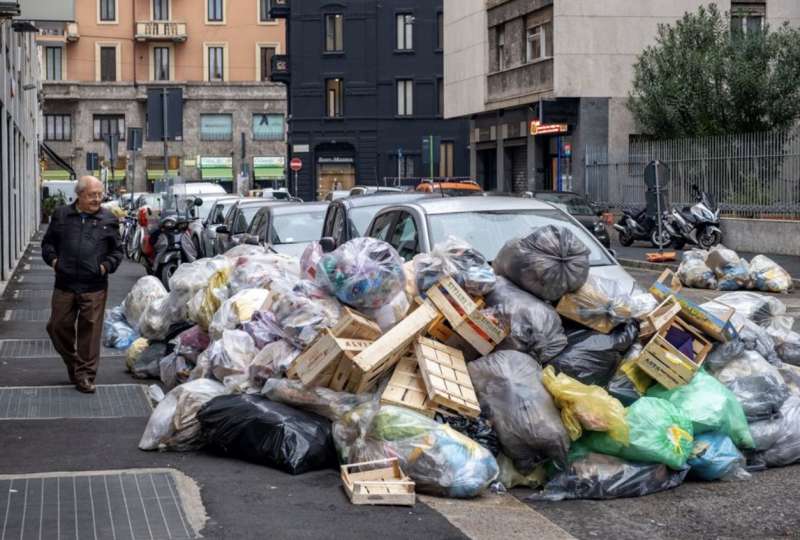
column 451, row 189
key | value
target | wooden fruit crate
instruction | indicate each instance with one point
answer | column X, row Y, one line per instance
column 446, row 377
column 659, row 317
column 316, row 366
column 407, row 388
column 354, row 325
column 378, row 482
column 666, row 364
column 465, row 317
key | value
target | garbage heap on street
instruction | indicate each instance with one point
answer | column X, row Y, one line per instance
column 722, row 268
column 449, row 376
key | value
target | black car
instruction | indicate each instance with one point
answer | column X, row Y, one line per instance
column 349, row 217
column 581, row 209
column 237, row 221
column 287, row 228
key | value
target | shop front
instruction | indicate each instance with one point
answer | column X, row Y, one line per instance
column 336, row 168
column 218, row 170
column 269, row 172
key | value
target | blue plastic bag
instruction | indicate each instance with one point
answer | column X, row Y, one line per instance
column 117, row 333
column 715, row 457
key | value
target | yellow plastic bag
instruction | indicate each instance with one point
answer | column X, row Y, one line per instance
column 208, row 300
column 586, row 407
column 135, row 351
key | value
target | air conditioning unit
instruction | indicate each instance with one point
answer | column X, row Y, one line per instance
column 9, row 9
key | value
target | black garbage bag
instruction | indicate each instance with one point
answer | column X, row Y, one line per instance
column 550, row 262
column 511, row 394
column 148, row 364
column 757, row 384
column 535, row 327
column 592, row 357
column 255, row 429
column 597, row 476
column 478, row 429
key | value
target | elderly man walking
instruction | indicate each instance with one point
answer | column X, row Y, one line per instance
column 83, row 246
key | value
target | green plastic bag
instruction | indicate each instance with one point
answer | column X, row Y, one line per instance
column 710, row 406
column 659, row 433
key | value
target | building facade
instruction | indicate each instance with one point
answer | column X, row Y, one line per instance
column 541, row 80
column 365, row 83
column 214, row 56
column 20, row 86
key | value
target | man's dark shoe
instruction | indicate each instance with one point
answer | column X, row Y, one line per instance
column 85, row 386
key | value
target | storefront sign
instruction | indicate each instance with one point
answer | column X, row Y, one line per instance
column 215, row 162
column 301, row 148
column 336, row 160
column 537, row 128
column 263, row 161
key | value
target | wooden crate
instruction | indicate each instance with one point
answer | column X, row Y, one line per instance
column 378, row 482
column 407, row 388
column 465, row 317
column 446, row 377
column 316, row 366
column 369, row 364
column 659, row 317
column 354, row 325
column 666, row 364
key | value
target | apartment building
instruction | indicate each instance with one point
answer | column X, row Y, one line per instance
column 542, row 79
column 212, row 58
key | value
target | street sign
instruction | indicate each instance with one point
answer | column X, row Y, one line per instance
column 537, row 128
column 296, row 164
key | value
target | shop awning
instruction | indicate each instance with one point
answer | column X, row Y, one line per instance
column 119, row 174
column 157, row 174
column 269, row 173
column 56, row 174
column 217, row 173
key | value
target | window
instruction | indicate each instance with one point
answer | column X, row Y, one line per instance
column 334, row 90
column 446, row 159
column 405, row 32
column 53, row 63
column 405, row 98
column 161, row 64
column 57, row 127
column 268, row 127
column 439, row 31
column 404, row 237
column 108, row 64
column 215, row 11
column 440, row 89
column 264, row 7
column 744, row 23
column 501, row 46
column 108, row 10
column 265, row 59
column 216, row 63
column 405, row 166
column 382, row 227
column 216, row 127
column 109, row 124
column 536, row 46
column 160, row 10
column 333, row 33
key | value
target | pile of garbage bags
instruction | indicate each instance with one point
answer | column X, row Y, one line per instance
column 723, row 269
column 562, row 403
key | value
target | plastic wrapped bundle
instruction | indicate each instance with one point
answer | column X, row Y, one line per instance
column 715, row 457
column 147, row 365
column 155, row 321
column 144, row 292
column 117, row 333
column 659, row 433
column 549, row 262
column 535, row 327
column 756, row 383
column 766, row 311
column 325, row 402
column 308, row 261
column 236, row 310
column 258, row 430
column 786, row 448
column 173, row 425
column 585, row 407
column 592, row 357
column 272, row 361
column 769, row 276
column 457, row 259
column 231, row 355
column 710, row 406
column 437, row 458
column 511, row 394
column 364, row 273
column 299, row 318
column 191, row 277
column 693, row 271
column 602, row 304
column 597, row 476
column 732, row 272
column 262, row 270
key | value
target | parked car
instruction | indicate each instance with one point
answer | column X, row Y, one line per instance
column 581, row 209
column 349, row 217
column 369, row 190
column 237, row 221
column 287, row 228
column 208, row 217
column 451, row 189
column 336, row 195
column 487, row 223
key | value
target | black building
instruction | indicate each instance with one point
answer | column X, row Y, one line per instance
column 365, row 84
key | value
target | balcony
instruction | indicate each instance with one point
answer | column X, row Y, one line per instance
column 280, row 69
column 161, row 31
column 57, row 32
column 72, row 32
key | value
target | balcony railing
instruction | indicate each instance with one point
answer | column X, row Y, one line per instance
column 160, row 31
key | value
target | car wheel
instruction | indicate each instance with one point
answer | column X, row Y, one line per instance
column 625, row 239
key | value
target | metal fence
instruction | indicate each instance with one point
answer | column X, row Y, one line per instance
column 755, row 175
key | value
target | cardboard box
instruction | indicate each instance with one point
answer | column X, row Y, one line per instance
column 666, row 364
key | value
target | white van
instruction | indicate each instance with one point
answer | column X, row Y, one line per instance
column 51, row 188
column 197, row 189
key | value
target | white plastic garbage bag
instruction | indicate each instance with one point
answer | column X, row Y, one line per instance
column 769, row 276
column 144, row 291
column 236, row 310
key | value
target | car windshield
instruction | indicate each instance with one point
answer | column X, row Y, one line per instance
column 489, row 231
column 249, row 212
column 295, row 228
column 575, row 205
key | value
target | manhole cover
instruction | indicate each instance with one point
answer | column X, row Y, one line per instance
column 29, row 315
column 48, row 402
column 147, row 505
column 41, row 348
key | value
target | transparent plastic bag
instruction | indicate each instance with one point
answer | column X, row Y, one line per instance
column 549, row 262
column 787, row 345
column 299, row 318
column 732, row 272
column 769, row 276
column 205, row 303
column 236, row 310
column 715, row 457
column 147, row 365
column 191, row 277
column 766, row 311
column 272, row 361
column 392, row 313
column 457, row 259
column 364, row 273
column 786, row 448
column 510, row 477
column 135, row 351
column 308, row 261
column 535, row 327
column 259, row 272
column 192, row 342
column 174, row 370
column 586, row 407
column 231, row 355
column 155, row 321
column 757, row 384
column 603, row 304
column 146, row 290
column 694, row 273
column 325, row 402
column 117, row 333
column 630, row 382
column 511, row 394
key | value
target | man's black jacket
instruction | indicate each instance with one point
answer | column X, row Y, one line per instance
column 81, row 243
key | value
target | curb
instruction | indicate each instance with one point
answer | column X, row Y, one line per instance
column 644, row 265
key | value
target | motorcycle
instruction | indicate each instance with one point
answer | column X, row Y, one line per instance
column 634, row 226
column 169, row 246
column 698, row 225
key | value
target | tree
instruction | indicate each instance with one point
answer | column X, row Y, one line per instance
column 701, row 78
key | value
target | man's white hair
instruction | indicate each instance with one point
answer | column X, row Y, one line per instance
column 84, row 182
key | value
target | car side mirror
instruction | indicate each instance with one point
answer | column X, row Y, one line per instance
column 198, row 201
column 222, row 229
column 327, row 243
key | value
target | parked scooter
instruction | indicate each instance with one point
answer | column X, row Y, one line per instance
column 170, row 245
column 698, row 225
column 634, row 226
